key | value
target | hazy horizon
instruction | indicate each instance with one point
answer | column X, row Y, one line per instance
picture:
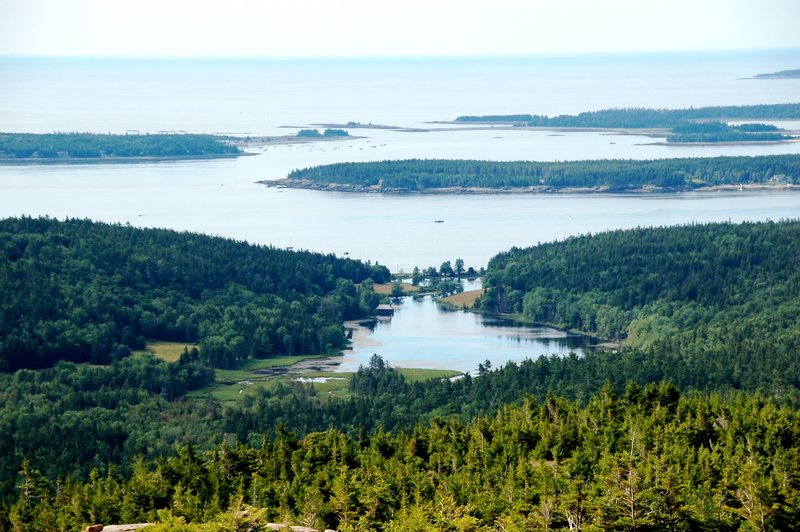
column 416, row 28
column 367, row 58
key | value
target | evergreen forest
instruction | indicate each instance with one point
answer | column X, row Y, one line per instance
column 610, row 175
column 692, row 132
column 56, row 146
column 637, row 117
column 688, row 420
column 90, row 292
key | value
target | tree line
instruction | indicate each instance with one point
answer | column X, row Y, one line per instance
column 328, row 133
column 721, row 132
column 710, row 305
column 50, row 146
column 82, row 291
column 637, row 117
column 419, row 175
column 691, row 424
column 650, row 458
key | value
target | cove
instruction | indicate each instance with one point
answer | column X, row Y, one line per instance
column 422, row 335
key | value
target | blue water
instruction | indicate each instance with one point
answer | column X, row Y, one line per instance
column 260, row 97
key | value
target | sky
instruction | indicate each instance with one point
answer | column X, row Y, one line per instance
column 377, row 28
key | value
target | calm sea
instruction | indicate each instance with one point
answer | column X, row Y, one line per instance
column 258, row 96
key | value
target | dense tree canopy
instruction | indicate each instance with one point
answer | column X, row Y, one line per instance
column 53, row 146
column 419, row 175
column 709, row 306
column 77, row 290
column 650, row 459
column 721, row 132
column 636, row 117
column 691, row 424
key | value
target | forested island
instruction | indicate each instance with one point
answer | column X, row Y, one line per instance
column 641, row 118
column 692, row 423
column 701, row 125
column 714, row 132
column 471, row 176
column 20, row 148
column 59, row 147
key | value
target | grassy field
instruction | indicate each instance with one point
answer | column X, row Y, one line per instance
column 233, row 384
column 462, row 300
column 424, row 374
column 167, row 351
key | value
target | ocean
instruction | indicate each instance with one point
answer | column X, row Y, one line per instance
column 273, row 97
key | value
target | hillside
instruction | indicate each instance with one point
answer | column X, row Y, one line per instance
column 650, row 459
column 707, row 306
column 691, row 424
column 82, row 291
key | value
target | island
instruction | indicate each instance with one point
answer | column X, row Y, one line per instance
column 637, row 117
column 22, row 148
column 598, row 176
column 89, row 147
column 783, row 74
column 693, row 125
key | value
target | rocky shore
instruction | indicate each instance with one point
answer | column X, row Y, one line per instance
column 305, row 184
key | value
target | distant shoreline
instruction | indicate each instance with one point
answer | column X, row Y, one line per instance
column 636, row 132
column 242, row 143
column 724, row 143
column 116, row 160
column 282, row 140
column 783, row 74
column 363, row 189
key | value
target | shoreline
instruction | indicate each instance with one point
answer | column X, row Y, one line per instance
column 244, row 143
column 282, row 140
column 119, row 160
column 651, row 132
column 725, row 143
column 365, row 189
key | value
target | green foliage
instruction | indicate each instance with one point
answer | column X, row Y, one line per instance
column 609, row 175
column 70, row 419
column 83, row 291
column 707, row 306
column 598, row 441
column 335, row 133
column 645, row 118
column 720, row 132
column 309, row 133
column 96, row 146
column 649, row 459
column 328, row 133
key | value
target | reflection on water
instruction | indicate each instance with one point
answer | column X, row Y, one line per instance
column 420, row 335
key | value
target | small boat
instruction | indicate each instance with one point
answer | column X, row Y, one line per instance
column 438, row 221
